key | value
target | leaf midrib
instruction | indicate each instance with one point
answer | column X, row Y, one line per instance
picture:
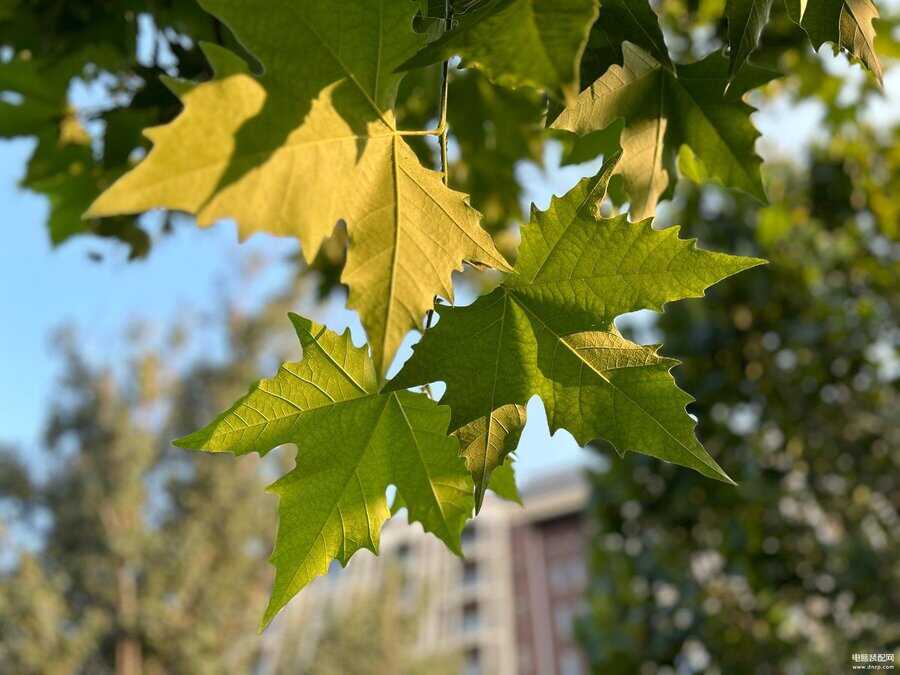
column 415, row 442
column 291, row 417
column 487, row 434
column 600, row 185
column 243, row 157
column 652, row 67
column 327, row 354
column 661, row 49
column 335, row 506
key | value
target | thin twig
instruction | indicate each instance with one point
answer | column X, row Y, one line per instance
column 442, row 122
column 419, row 132
column 442, row 128
column 442, row 133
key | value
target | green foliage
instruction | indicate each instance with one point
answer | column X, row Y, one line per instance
column 846, row 24
column 375, row 635
column 487, row 443
column 334, row 502
column 746, row 21
column 125, row 532
column 795, row 568
column 495, row 130
column 55, row 45
column 623, row 21
column 535, row 43
column 325, row 122
column 548, row 330
column 33, row 610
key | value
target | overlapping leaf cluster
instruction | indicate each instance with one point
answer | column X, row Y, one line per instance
column 309, row 133
column 548, row 330
column 49, row 48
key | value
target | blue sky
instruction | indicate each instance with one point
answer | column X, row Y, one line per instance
column 42, row 288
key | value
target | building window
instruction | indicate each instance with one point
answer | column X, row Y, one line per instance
column 564, row 618
column 473, row 662
column 471, row 617
column 525, row 664
column 402, row 551
column 567, row 574
column 559, row 578
column 470, row 572
column 468, row 534
column 577, row 574
column 570, row 663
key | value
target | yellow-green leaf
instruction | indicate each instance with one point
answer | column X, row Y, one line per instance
column 353, row 442
column 311, row 141
column 746, row 21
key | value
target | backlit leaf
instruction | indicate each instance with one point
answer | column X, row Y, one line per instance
column 746, row 21
column 311, row 141
column 536, row 43
column 664, row 109
column 846, row 24
column 353, row 441
column 548, row 331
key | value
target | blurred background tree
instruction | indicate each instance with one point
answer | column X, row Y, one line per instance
column 124, row 555
column 794, row 367
column 795, row 370
column 144, row 559
column 376, row 633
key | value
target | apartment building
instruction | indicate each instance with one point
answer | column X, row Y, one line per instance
column 549, row 546
column 507, row 608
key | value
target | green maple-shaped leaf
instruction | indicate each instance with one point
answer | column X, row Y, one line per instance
column 666, row 109
column 535, row 43
column 548, row 331
column 353, row 442
column 311, row 141
column 746, row 21
column 620, row 21
column 846, row 24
